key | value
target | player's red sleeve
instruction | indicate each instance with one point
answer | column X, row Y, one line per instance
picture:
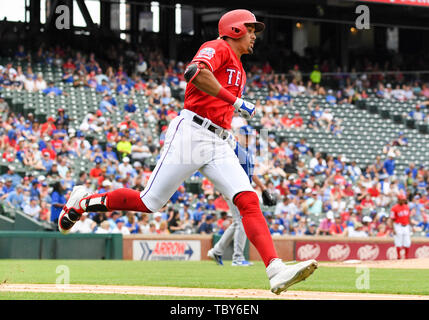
column 211, row 53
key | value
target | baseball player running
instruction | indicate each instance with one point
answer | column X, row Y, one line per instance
column 236, row 230
column 198, row 139
column 400, row 218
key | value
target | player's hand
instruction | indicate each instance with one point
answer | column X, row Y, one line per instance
column 244, row 108
column 231, row 141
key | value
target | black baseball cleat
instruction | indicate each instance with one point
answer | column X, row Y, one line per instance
column 68, row 220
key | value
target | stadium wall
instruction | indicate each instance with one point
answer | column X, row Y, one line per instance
column 322, row 248
column 331, row 248
column 54, row 245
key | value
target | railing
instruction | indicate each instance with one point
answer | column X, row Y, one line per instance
column 336, row 80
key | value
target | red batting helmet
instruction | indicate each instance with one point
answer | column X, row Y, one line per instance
column 233, row 23
column 402, row 197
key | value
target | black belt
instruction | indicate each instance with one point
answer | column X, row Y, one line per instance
column 218, row 131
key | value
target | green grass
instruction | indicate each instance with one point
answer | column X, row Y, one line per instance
column 206, row 274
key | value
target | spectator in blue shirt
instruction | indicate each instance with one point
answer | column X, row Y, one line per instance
column 20, row 54
column 16, row 198
column 106, row 104
column 183, row 197
column 285, row 97
column 68, row 76
column 34, row 190
column 103, row 88
column 58, row 201
column 206, row 227
column 10, row 174
column 275, row 229
column 319, row 168
column 27, row 130
column 47, row 162
column 389, row 166
column 198, row 214
column 316, row 113
column 62, row 119
column 165, row 99
column 423, row 226
column 330, row 98
column 302, row 146
column 109, row 154
column 51, row 90
column 210, row 203
column 130, row 106
column 411, row 168
column 123, row 87
column 7, row 187
column 421, row 185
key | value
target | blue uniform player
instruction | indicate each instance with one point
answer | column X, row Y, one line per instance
column 236, row 230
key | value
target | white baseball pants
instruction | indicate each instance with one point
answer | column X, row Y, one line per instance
column 402, row 235
column 190, row 147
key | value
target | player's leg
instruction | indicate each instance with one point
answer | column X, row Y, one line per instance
column 407, row 241
column 397, row 238
column 230, row 179
column 218, row 250
column 168, row 174
column 398, row 252
column 240, row 238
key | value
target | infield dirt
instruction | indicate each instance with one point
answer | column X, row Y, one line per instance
column 385, row 264
column 205, row 292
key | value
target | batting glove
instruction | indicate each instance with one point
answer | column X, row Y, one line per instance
column 244, row 108
column 231, row 141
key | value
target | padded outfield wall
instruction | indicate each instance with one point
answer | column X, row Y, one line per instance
column 322, row 248
column 54, row 245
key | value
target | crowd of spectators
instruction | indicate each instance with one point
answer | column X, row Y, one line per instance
column 317, row 193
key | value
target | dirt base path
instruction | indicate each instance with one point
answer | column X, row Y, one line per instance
column 385, row 264
column 202, row 292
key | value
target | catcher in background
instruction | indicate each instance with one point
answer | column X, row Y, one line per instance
column 236, row 230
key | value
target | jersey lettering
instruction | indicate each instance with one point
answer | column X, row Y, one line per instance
column 238, row 78
column 231, row 72
column 403, row 213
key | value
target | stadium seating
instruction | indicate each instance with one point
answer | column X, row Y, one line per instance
column 365, row 130
column 366, row 125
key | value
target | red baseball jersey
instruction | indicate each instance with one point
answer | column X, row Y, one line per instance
column 400, row 214
column 228, row 70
